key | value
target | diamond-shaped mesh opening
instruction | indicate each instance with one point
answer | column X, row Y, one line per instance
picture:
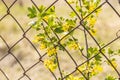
column 10, row 29
column 40, row 71
column 24, row 55
column 21, row 6
column 64, row 60
column 30, row 36
column 8, row 67
column 109, row 21
column 62, row 9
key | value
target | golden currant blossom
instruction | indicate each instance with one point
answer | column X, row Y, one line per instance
column 51, row 51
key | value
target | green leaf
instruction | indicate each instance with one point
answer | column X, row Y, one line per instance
column 98, row 59
column 48, row 30
column 70, row 40
column 51, row 10
column 78, row 8
column 92, row 51
column 36, row 26
column 51, row 21
column 59, row 30
column 32, row 12
column 83, row 13
column 71, row 22
column 42, row 8
column 84, row 23
column 98, row 2
column 72, row 14
column 61, row 47
column 54, row 39
column 76, row 39
column 43, row 15
column 59, row 79
column 110, row 51
column 41, row 35
column 110, row 78
column 62, row 19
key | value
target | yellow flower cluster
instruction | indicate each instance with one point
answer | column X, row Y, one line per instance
column 65, row 27
column 93, row 71
column 93, row 32
column 96, row 69
column 98, row 11
column 71, row 77
column 42, row 46
column 73, row 46
column 92, row 7
column 51, row 51
column 114, row 63
column 82, row 68
column 50, row 64
column 37, row 39
column 46, row 18
column 91, row 21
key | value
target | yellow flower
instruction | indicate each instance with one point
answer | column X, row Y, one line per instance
column 98, row 11
column 38, row 38
column 51, row 51
column 49, row 16
column 50, row 64
column 92, row 21
column 73, row 45
column 96, row 69
column 93, row 71
column 82, row 68
column 65, row 27
column 92, row 7
column 42, row 46
column 46, row 18
column 114, row 63
column 93, row 32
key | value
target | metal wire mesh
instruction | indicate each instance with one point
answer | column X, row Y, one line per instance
column 40, row 60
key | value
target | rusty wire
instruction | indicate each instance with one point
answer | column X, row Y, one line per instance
column 86, row 32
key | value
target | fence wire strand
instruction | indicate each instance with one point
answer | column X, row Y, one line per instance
column 80, row 26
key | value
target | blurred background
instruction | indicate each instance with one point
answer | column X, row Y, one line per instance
column 108, row 24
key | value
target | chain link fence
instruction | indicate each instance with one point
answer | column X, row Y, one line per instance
column 39, row 60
